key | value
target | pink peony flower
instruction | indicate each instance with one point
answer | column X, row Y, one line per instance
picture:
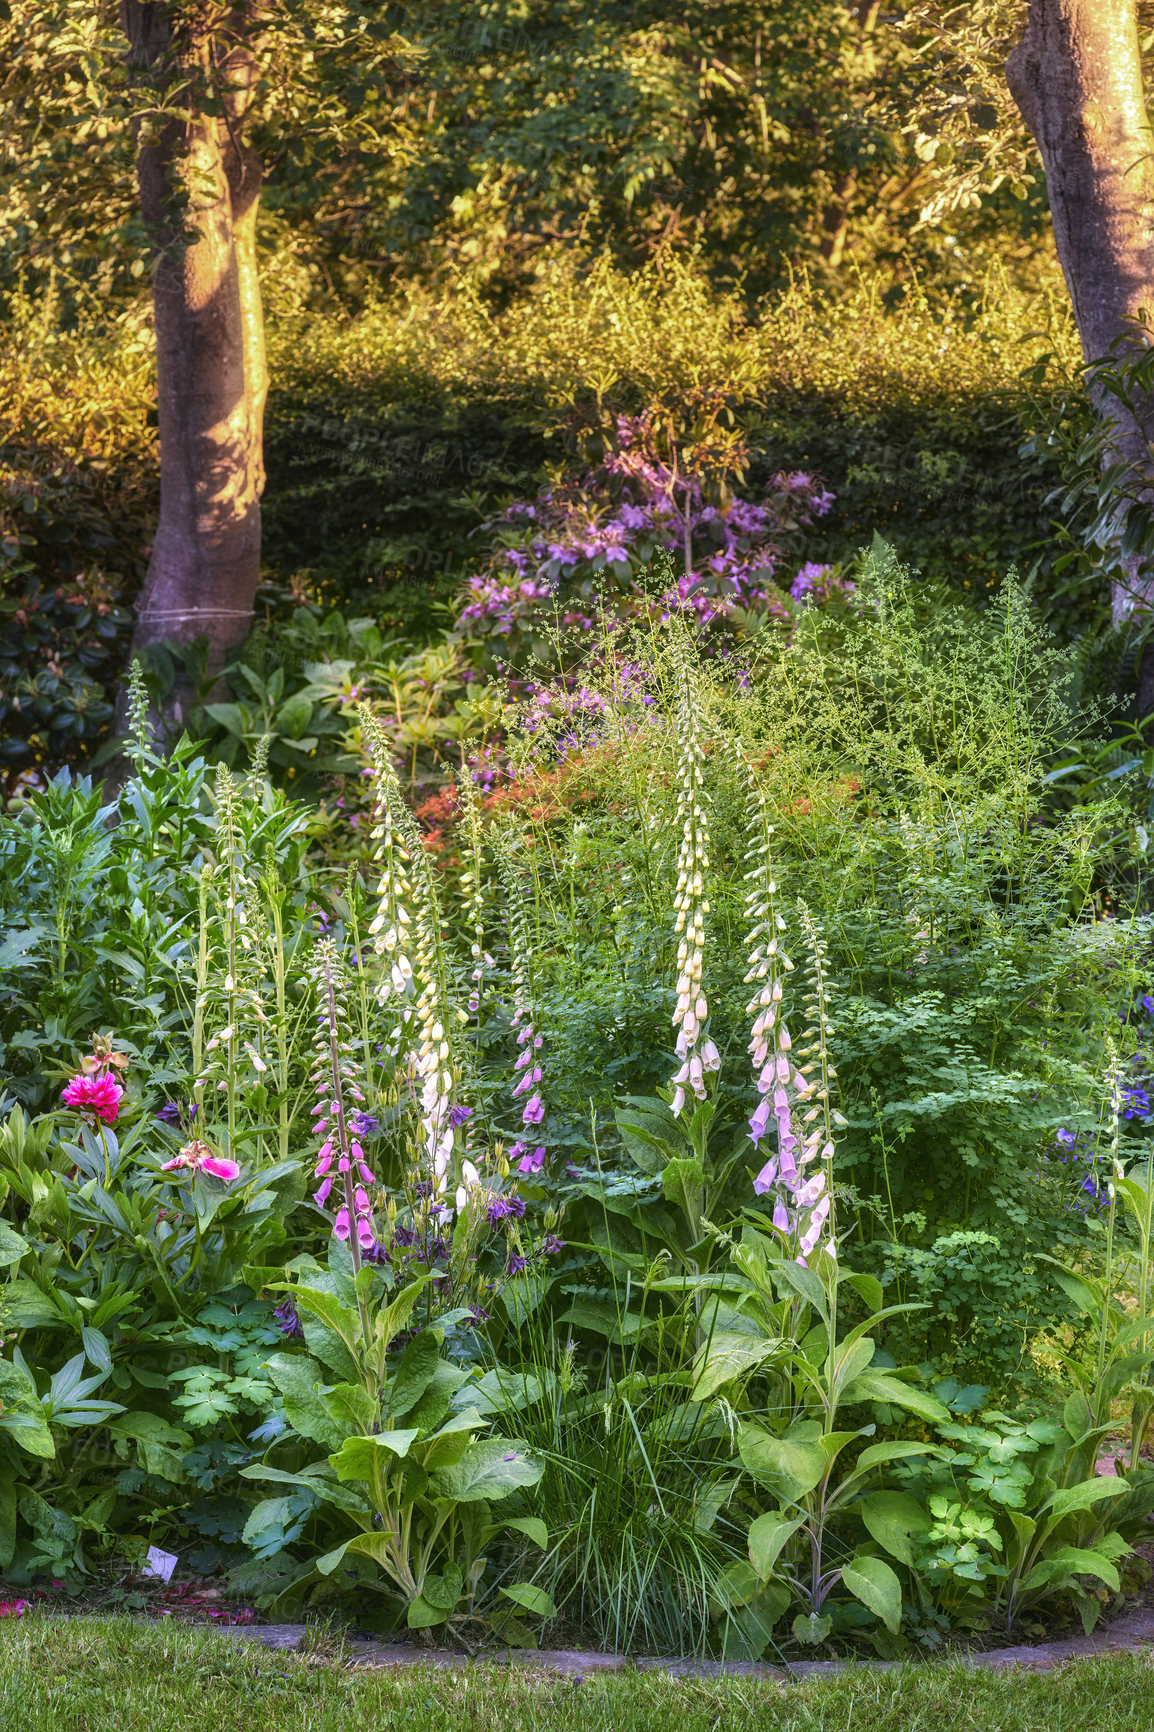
column 197, row 1157
column 98, row 1095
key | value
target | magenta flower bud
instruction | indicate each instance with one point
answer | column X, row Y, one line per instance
column 323, row 1165
column 343, row 1164
column 319, row 1108
column 358, row 1152
column 321, row 1197
column 360, row 1198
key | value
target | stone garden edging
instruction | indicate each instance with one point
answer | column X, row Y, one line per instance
column 1127, row 1634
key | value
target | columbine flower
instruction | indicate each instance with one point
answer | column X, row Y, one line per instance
column 1067, row 1138
column 518, row 1265
column 552, row 1246
column 504, row 1209
column 458, row 1115
column 197, row 1157
column 171, row 1113
column 287, row 1320
column 96, row 1095
column 365, row 1125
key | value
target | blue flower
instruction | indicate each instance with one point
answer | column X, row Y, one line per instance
column 365, row 1124
column 1067, row 1138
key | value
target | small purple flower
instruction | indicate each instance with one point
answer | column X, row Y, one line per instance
column 287, row 1320
column 505, row 1209
column 1137, row 1102
column 534, row 1112
column 477, row 1315
column 171, row 1114
column 532, row 1163
column 553, row 1246
column 1147, row 1003
column 1067, row 1138
column 518, row 1265
column 458, row 1115
column 365, row 1124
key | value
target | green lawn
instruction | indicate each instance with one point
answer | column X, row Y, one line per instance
column 113, row 1676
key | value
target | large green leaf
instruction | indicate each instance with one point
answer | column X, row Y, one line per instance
column 729, row 1354
column 531, row 1599
column 767, row 1535
column 414, row 1374
column 872, row 1581
column 297, row 1379
column 879, row 1386
column 318, row 1478
column 490, row 1469
column 791, row 1465
column 1071, row 1561
column 1084, row 1496
column 443, row 1591
column 12, row 1246
column 878, row 1453
column 366, row 1457
column 682, row 1181
column 892, row 1518
column 532, row 1527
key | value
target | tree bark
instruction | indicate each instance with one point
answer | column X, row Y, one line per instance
column 199, row 192
column 1076, row 77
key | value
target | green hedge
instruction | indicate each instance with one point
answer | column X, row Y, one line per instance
column 392, row 434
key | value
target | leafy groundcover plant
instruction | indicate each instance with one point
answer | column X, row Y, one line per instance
column 594, row 1209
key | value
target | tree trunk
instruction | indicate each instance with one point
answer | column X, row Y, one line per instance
column 199, row 191
column 1076, row 76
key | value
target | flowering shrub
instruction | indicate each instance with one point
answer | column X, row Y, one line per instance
column 585, row 553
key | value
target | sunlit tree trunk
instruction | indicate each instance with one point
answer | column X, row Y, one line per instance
column 1076, row 76
column 199, row 191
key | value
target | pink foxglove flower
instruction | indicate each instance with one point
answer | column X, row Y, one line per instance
column 197, row 1157
column 96, row 1095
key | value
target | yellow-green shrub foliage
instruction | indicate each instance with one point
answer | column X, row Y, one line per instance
column 78, row 486
column 394, row 432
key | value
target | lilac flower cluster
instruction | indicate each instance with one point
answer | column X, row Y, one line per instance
column 579, row 555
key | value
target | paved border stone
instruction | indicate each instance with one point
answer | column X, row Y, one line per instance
column 1126, row 1635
